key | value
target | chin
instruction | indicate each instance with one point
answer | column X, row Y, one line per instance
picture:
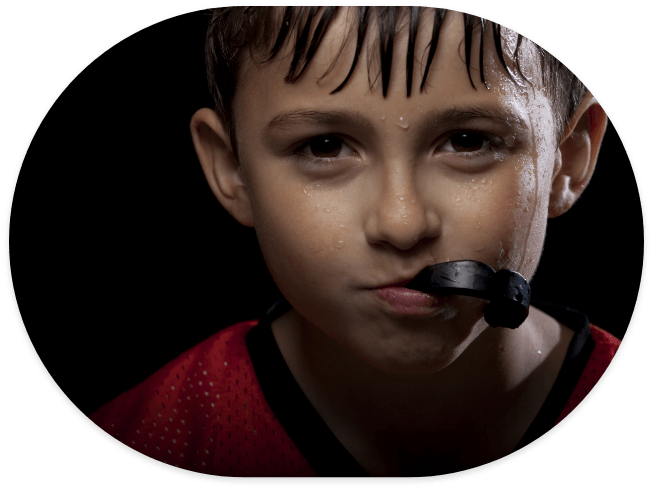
column 413, row 360
column 419, row 351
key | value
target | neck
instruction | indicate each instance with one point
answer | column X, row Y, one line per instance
column 494, row 379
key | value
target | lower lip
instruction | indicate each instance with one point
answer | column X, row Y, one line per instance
column 408, row 301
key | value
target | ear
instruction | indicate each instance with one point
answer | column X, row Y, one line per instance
column 576, row 156
column 224, row 175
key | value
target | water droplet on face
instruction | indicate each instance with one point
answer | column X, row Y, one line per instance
column 326, row 210
column 403, row 123
column 339, row 244
column 401, row 198
column 477, row 226
column 383, row 117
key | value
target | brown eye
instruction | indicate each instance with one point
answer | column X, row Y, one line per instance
column 325, row 146
column 467, row 142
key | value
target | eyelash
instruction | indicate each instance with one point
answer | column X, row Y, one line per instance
column 491, row 144
column 296, row 152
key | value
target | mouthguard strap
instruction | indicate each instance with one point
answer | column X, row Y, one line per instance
column 508, row 293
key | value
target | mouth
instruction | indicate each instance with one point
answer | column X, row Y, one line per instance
column 507, row 291
column 407, row 301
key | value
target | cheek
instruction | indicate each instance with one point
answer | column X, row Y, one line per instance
column 323, row 218
column 302, row 231
column 521, row 216
column 499, row 215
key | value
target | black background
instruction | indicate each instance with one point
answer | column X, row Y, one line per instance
column 122, row 258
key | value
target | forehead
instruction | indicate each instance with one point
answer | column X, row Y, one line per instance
column 448, row 83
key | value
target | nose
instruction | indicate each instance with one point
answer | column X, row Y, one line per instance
column 399, row 214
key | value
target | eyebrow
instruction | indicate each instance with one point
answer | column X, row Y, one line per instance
column 482, row 111
column 299, row 117
column 345, row 118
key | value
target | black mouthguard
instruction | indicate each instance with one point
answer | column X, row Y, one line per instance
column 509, row 294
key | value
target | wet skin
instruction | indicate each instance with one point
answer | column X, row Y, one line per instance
column 352, row 192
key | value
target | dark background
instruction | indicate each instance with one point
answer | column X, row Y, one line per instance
column 122, row 258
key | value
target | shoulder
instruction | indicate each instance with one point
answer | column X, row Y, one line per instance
column 184, row 373
column 205, row 411
column 604, row 350
column 165, row 416
column 606, row 343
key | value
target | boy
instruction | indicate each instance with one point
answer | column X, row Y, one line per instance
column 363, row 145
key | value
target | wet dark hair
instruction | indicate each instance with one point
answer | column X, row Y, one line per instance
column 236, row 31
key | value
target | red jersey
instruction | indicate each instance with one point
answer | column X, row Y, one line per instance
column 207, row 410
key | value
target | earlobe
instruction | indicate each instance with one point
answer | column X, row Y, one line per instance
column 219, row 164
column 577, row 154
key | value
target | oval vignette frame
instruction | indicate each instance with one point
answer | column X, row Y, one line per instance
column 73, row 409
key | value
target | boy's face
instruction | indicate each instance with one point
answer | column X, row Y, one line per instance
column 352, row 192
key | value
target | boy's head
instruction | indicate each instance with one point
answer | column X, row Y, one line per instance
column 366, row 144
